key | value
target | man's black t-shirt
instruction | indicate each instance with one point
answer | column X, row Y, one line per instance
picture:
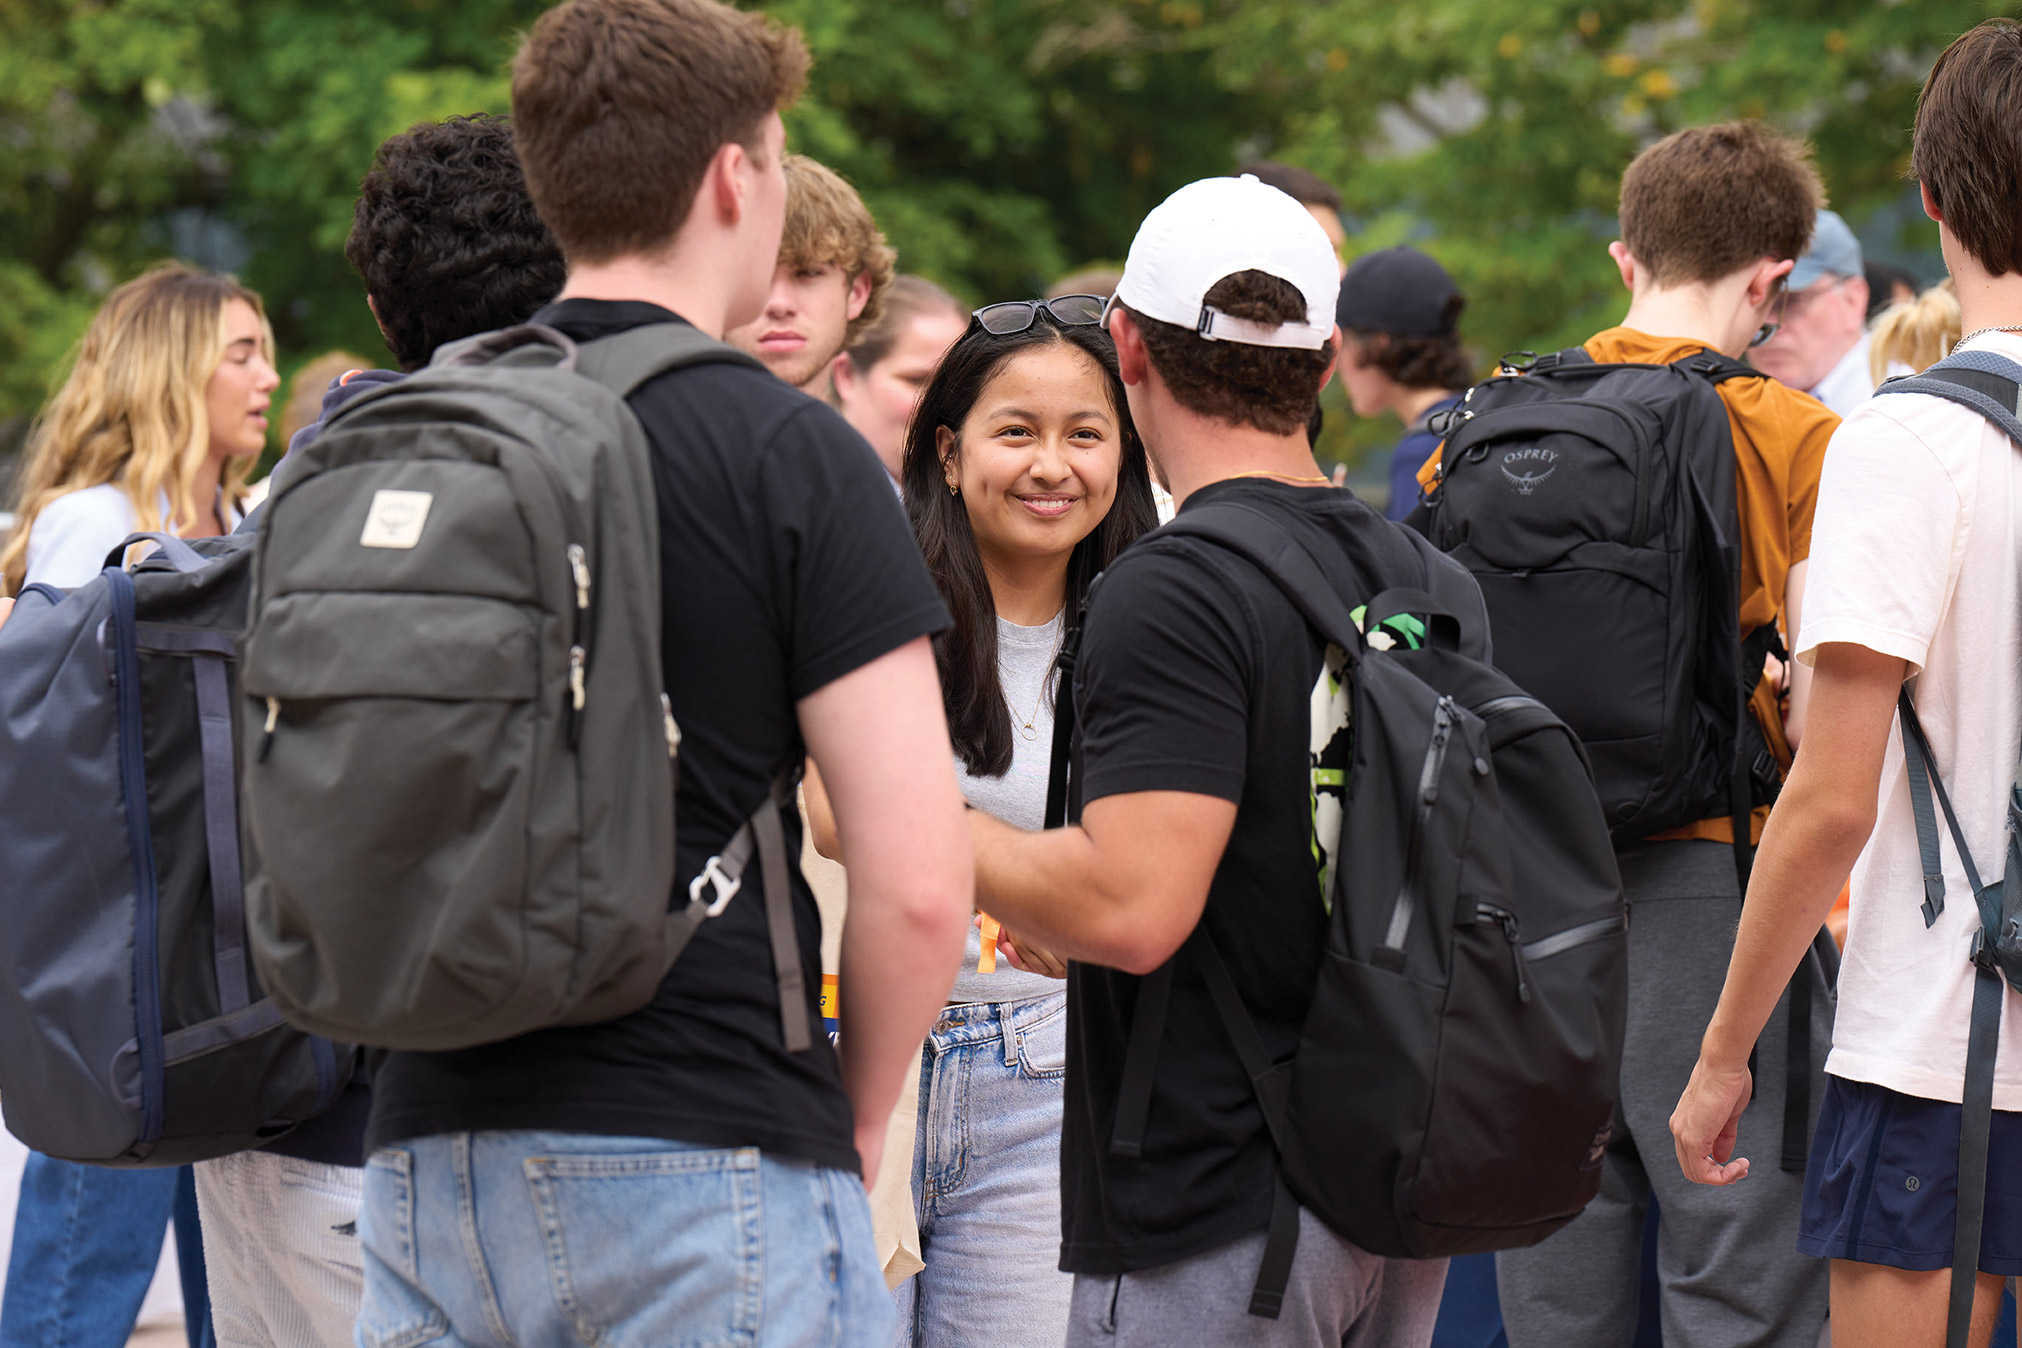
column 785, row 564
column 1197, row 674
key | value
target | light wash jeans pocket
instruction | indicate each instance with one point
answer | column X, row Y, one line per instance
column 395, row 1312
column 1039, row 1028
column 655, row 1249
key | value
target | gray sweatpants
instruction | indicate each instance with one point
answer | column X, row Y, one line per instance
column 1727, row 1258
column 1339, row 1297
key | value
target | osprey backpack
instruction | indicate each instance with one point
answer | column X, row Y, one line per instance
column 1595, row 504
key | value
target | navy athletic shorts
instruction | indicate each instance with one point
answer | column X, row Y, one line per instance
column 1883, row 1182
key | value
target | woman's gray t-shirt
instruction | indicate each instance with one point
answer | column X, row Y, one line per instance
column 1025, row 667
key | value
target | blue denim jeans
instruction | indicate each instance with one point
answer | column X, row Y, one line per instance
column 86, row 1244
column 551, row 1240
column 986, row 1180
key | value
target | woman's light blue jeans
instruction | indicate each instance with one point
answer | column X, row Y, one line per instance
column 547, row 1240
column 986, row 1180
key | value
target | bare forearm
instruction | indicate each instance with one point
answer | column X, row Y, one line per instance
column 1812, row 840
column 890, row 1003
column 1045, row 887
column 1122, row 888
column 883, row 748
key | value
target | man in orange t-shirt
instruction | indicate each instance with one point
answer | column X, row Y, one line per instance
column 1713, row 219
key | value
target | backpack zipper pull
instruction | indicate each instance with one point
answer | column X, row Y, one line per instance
column 1504, row 918
column 577, row 656
column 673, row 730
column 579, row 566
column 267, row 734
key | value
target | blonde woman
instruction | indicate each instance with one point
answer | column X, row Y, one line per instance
column 160, row 420
column 1911, row 337
column 161, row 417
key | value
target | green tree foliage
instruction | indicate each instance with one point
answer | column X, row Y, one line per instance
column 1001, row 142
column 1495, row 131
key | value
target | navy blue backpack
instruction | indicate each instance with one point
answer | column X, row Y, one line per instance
column 133, row 1030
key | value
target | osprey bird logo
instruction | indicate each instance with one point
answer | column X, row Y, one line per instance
column 1527, row 468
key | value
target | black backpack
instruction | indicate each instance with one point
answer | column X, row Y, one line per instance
column 134, row 1029
column 1595, row 504
column 1455, row 1084
column 1992, row 386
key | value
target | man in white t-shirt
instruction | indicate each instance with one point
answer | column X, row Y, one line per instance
column 1916, row 576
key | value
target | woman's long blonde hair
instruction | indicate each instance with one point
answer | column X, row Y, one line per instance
column 132, row 408
column 1918, row 333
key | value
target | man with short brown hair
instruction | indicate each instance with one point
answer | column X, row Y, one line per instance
column 828, row 285
column 1913, row 615
column 1713, row 219
column 694, row 1171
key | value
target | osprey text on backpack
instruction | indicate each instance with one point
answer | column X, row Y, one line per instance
column 132, row 1030
column 460, row 755
column 1455, row 1083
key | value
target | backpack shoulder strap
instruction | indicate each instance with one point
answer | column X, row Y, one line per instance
column 723, row 875
column 1983, row 1036
column 1989, row 384
column 1551, row 360
column 1258, row 538
column 1265, row 544
column 625, row 360
column 1715, row 368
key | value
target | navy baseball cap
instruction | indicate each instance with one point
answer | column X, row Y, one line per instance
column 1834, row 250
column 1398, row 290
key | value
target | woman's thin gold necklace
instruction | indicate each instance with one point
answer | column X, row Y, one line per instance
column 1286, row 477
column 1028, row 726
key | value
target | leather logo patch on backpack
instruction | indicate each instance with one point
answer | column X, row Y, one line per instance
column 1527, row 468
column 396, row 518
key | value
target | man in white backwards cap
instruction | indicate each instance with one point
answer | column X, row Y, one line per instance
column 1201, row 781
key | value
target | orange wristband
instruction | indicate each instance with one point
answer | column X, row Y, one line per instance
column 986, row 961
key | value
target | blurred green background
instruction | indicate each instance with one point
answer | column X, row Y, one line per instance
column 1000, row 142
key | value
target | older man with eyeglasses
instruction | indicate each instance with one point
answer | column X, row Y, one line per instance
column 1821, row 343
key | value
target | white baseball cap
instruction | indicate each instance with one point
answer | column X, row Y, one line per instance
column 1215, row 228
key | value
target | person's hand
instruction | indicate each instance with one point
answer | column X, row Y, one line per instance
column 1033, row 960
column 1704, row 1125
column 1340, row 478
column 1776, row 674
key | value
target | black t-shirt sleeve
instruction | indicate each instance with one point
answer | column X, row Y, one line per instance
column 1162, row 685
column 849, row 578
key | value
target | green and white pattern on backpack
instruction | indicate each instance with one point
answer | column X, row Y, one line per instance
column 1329, row 742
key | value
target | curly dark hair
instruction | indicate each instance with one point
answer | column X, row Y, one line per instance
column 1419, row 362
column 1271, row 388
column 446, row 238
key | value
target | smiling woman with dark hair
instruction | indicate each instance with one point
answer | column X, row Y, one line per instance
column 1023, row 478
